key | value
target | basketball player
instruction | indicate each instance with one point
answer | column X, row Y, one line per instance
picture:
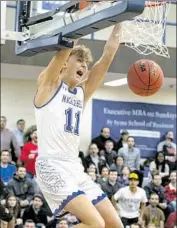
column 63, row 90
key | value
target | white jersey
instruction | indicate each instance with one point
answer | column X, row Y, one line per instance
column 58, row 124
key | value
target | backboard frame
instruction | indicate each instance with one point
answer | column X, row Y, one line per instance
column 124, row 10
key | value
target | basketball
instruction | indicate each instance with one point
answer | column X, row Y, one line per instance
column 145, row 77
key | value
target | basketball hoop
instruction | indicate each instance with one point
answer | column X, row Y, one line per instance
column 145, row 33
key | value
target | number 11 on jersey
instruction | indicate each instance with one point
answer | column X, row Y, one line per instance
column 72, row 121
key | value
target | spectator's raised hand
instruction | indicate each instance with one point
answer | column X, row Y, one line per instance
column 19, row 221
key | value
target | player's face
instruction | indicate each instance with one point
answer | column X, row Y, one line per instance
column 76, row 71
column 154, row 200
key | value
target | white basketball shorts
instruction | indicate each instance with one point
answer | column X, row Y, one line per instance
column 62, row 181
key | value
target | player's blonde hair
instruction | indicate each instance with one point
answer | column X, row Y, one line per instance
column 81, row 51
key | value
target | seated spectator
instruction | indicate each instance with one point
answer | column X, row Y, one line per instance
column 111, row 186
column 131, row 201
column 161, row 165
column 104, row 175
column 169, row 149
column 155, row 187
column 171, row 220
column 62, row 223
column 118, row 165
column 21, row 187
column 7, row 169
column 102, row 138
column 4, row 214
column 13, row 206
column 3, row 191
column 30, row 151
column 19, row 132
column 169, row 137
column 108, row 155
column 35, row 211
column 29, row 224
column 170, row 191
column 123, row 141
column 94, row 158
column 82, row 160
column 93, row 176
column 124, row 178
column 131, row 154
column 152, row 214
column 91, row 168
column 8, row 141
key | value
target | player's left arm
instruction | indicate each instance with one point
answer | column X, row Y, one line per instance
column 98, row 71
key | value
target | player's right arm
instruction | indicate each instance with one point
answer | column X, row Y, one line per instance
column 50, row 78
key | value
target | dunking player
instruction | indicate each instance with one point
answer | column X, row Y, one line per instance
column 64, row 88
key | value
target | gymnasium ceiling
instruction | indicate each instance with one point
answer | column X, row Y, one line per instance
column 124, row 58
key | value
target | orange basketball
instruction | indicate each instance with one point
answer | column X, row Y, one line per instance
column 145, row 77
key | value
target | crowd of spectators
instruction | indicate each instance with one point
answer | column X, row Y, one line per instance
column 143, row 193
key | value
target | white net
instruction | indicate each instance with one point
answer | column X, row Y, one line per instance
column 145, row 32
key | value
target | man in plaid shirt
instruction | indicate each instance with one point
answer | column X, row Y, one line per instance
column 170, row 191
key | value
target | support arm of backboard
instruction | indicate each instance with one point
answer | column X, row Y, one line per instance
column 120, row 12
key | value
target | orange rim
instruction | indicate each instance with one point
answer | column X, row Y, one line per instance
column 156, row 3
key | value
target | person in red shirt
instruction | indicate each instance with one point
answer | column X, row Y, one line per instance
column 170, row 192
column 30, row 151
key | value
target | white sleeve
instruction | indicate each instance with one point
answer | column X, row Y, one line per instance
column 144, row 198
column 117, row 195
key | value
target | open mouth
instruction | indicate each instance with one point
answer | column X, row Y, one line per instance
column 80, row 73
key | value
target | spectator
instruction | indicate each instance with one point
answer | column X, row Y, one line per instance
column 13, row 206
column 124, row 178
column 170, row 191
column 93, row 157
column 35, row 211
column 108, row 155
column 72, row 220
column 169, row 149
column 102, row 138
column 29, row 224
column 131, row 201
column 7, row 170
column 111, row 186
column 93, row 176
column 82, row 160
column 171, row 220
column 152, row 214
column 123, row 141
column 91, row 168
column 8, row 140
column 62, row 223
column 21, row 187
column 19, row 132
column 131, row 154
column 4, row 214
column 119, row 164
column 30, row 151
column 155, row 187
column 169, row 137
column 104, row 175
column 3, row 191
column 161, row 165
